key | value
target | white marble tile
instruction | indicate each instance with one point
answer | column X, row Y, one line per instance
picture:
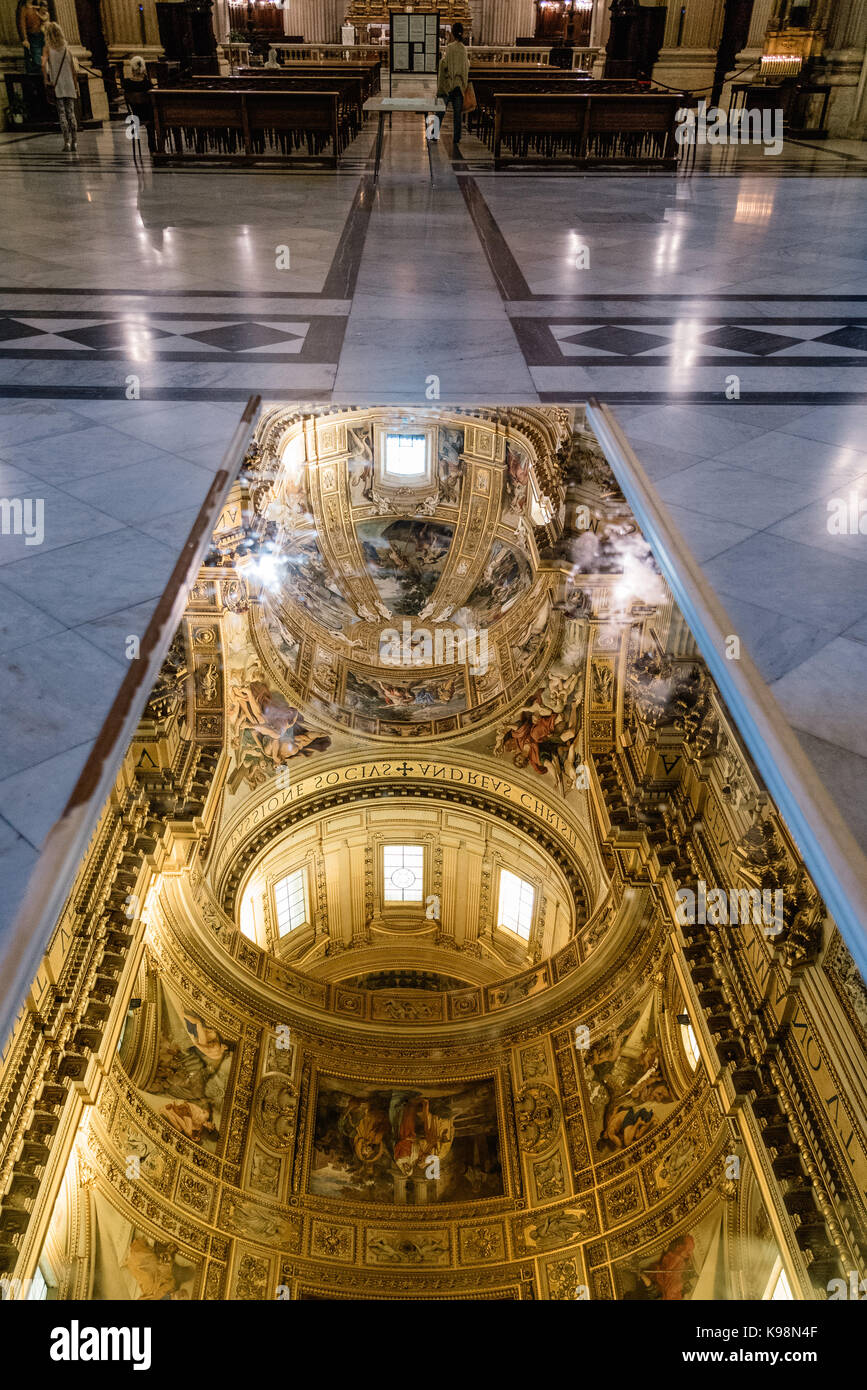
column 734, row 495
column 844, row 775
column 17, row 858
column 825, row 694
column 706, row 536
column 92, row 578
column 798, row 581
column 141, row 491
column 54, row 694
column 33, row 799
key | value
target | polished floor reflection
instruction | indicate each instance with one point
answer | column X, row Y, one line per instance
column 722, row 312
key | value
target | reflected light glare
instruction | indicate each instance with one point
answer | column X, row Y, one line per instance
column 666, row 251
column 267, row 570
column 685, row 343
column 754, row 207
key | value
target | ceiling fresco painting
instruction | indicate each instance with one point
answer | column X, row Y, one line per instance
column 374, row 982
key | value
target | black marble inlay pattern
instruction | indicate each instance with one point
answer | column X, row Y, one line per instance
column 625, row 341
column 749, row 340
column 849, row 337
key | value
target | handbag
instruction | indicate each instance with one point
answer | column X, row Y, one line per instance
column 469, row 98
column 49, row 85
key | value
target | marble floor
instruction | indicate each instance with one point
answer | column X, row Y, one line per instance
column 721, row 310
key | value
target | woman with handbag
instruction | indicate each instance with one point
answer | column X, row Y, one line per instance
column 61, row 82
column 453, row 78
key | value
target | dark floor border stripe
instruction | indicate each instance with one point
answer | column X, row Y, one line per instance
column 170, row 294
column 504, row 268
column 206, row 358
column 186, row 316
column 563, row 363
column 16, row 391
column 817, row 398
column 697, row 297
column 622, row 320
column 342, row 275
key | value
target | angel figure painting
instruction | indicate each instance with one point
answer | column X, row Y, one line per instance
column 130, row 1264
column 265, row 731
column 404, row 1146
column 690, row 1266
column 359, row 464
column 627, row 1083
column 546, row 735
column 451, row 466
column 516, row 484
column 311, row 585
column 188, row 1074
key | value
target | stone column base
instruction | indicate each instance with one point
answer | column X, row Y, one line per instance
column 686, row 69
column 841, row 68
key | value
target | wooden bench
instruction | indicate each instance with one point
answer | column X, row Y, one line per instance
column 587, row 129
column 351, row 91
column 488, row 85
column 369, row 69
column 243, row 127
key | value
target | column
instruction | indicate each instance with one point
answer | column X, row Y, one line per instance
column 763, row 11
column 844, row 66
column 317, row 20
column 502, row 21
column 122, row 26
column 691, row 63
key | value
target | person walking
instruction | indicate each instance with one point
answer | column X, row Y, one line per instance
column 61, row 75
column 453, row 78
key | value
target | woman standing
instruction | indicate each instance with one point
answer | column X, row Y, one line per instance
column 61, row 74
column 453, row 78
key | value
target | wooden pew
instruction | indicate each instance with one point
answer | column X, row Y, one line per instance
column 370, row 69
column 350, row 89
column 591, row 129
column 242, row 127
column 487, row 85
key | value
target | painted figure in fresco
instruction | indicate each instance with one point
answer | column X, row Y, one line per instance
column 451, row 466
column 371, row 1133
column 419, row 1133
column 376, row 696
column 154, row 1270
column 193, row 1077
column 626, row 1079
column 516, row 480
column 373, row 1144
column 546, row 736
column 192, row 1118
column 404, row 559
column 309, row 580
column 622, row 1125
column 360, row 464
column 265, row 730
column 672, row 1278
